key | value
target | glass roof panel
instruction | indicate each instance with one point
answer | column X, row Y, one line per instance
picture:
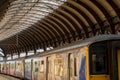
column 19, row 15
column 50, row 2
column 37, row 13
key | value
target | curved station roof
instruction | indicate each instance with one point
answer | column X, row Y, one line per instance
column 33, row 24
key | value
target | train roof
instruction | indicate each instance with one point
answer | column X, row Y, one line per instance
column 96, row 39
column 86, row 42
column 101, row 38
column 78, row 44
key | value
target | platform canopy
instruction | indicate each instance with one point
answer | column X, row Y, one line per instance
column 32, row 24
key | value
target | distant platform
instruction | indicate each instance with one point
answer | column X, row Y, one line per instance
column 6, row 77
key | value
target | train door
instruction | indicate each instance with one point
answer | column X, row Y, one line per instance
column 28, row 69
column 116, row 61
column 35, row 69
column 50, row 67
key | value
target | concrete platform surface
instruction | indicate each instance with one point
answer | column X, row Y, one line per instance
column 5, row 77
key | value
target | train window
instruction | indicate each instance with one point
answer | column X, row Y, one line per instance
column 49, row 66
column 98, row 59
column 72, row 65
column 75, row 66
column 42, row 62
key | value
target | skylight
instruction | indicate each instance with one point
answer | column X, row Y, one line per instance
column 27, row 12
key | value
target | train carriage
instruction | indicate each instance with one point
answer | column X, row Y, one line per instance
column 96, row 58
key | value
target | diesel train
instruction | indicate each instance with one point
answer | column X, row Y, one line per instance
column 96, row 58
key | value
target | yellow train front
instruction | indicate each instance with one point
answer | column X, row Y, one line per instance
column 97, row 58
column 102, row 59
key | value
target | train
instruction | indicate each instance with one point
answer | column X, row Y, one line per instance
column 96, row 58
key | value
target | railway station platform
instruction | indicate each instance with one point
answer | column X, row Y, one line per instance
column 6, row 77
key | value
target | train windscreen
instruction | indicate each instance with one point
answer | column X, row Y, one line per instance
column 98, row 58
